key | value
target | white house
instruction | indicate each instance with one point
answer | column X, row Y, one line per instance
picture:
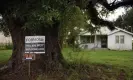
column 117, row 39
column 120, row 40
column 4, row 39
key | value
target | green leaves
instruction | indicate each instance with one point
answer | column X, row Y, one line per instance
column 3, row 28
column 72, row 20
column 73, row 17
column 125, row 21
column 43, row 14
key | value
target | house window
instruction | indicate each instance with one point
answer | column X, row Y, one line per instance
column 83, row 39
column 117, row 39
column 90, row 39
column 87, row 39
column 122, row 39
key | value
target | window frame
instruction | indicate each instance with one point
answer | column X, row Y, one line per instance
column 122, row 39
column 117, row 41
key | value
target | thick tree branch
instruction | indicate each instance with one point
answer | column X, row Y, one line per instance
column 93, row 15
column 114, row 6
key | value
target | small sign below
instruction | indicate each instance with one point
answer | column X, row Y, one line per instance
column 29, row 56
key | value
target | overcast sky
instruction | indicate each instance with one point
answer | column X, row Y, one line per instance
column 117, row 12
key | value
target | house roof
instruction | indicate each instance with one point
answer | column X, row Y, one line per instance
column 102, row 31
column 119, row 29
column 105, row 31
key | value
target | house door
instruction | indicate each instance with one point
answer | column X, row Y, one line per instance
column 103, row 41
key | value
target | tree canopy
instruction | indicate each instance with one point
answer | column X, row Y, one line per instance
column 125, row 21
column 42, row 11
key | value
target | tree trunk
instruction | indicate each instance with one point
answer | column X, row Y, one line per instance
column 18, row 37
column 52, row 59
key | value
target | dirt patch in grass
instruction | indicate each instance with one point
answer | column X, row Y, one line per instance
column 71, row 72
column 85, row 72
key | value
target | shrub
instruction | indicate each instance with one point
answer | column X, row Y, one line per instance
column 4, row 46
column 9, row 46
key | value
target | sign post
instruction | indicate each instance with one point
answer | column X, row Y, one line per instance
column 33, row 45
column 29, row 70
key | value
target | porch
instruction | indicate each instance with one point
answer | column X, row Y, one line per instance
column 93, row 41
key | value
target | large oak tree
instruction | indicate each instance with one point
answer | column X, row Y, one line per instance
column 45, row 17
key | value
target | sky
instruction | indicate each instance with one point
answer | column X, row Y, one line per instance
column 117, row 12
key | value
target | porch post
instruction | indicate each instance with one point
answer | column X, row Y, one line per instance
column 95, row 41
column 79, row 41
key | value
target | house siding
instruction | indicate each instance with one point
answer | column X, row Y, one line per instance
column 127, row 45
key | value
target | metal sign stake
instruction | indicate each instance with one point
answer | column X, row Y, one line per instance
column 29, row 70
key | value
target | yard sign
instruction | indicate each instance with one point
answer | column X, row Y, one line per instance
column 29, row 57
column 35, row 44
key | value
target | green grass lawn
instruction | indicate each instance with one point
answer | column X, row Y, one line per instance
column 114, row 58
column 108, row 57
column 4, row 56
column 123, row 59
column 105, row 64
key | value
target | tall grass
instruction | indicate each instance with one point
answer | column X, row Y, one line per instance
column 90, row 65
column 112, row 62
